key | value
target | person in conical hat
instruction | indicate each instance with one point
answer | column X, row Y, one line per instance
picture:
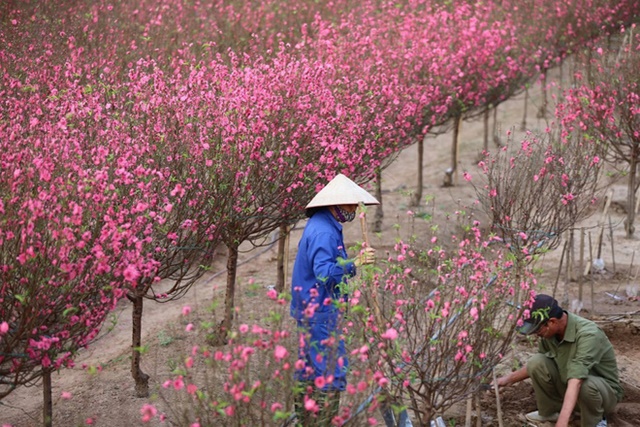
column 321, row 269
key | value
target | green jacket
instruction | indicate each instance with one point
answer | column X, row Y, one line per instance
column 585, row 350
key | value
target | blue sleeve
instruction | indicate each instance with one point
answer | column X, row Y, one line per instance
column 330, row 263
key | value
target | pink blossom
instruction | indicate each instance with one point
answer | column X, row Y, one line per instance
column 390, row 334
column 319, row 382
column 186, row 310
column 178, row 383
column 131, row 273
column 65, row 395
column 189, row 327
column 244, row 328
column 148, row 412
column 192, row 388
column 280, row 352
column 4, row 328
column 189, row 362
column 383, row 381
column 311, row 405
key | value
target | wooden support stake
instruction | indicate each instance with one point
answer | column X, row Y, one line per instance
column 613, row 249
column 467, row 419
column 374, row 291
column 497, row 390
column 591, row 263
column 287, row 243
column 587, row 267
column 555, row 285
column 572, row 256
column 601, row 224
column 581, row 267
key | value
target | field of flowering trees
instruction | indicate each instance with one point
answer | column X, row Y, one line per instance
column 142, row 142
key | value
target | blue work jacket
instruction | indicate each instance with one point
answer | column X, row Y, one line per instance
column 321, row 265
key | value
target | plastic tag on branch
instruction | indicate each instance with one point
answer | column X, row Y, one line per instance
column 576, row 306
column 438, row 422
column 598, row 266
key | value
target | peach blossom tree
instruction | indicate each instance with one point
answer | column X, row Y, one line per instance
column 606, row 113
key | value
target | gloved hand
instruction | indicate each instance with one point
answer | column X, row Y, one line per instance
column 366, row 256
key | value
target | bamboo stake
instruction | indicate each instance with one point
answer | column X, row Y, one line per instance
column 374, row 291
column 581, row 267
column 613, row 249
column 287, row 243
column 496, row 389
column 467, row 419
column 633, row 255
column 601, row 222
column 590, row 263
column 572, row 255
column 555, row 285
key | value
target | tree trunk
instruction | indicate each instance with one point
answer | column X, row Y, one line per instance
column 451, row 174
column 631, row 194
column 523, row 125
column 282, row 249
column 417, row 196
column 542, row 112
column 589, row 71
column 496, row 137
column 379, row 215
column 229, row 305
column 47, row 402
column 485, row 136
column 141, row 379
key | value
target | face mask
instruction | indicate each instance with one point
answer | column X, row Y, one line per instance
column 344, row 216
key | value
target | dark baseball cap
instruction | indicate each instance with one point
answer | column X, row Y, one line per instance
column 544, row 307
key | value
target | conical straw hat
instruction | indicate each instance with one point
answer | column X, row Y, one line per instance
column 342, row 191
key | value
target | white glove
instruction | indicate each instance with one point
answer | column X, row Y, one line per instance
column 366, row 256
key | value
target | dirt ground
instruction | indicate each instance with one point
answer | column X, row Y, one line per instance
column 105, row 396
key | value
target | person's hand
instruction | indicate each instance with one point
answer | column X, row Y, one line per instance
column 501, row 382
column 366, row 256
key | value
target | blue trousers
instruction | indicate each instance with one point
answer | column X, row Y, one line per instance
column 323, row 351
